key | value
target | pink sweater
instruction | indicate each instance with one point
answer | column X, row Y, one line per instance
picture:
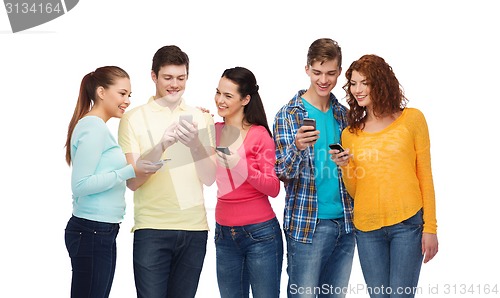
column 243, row 191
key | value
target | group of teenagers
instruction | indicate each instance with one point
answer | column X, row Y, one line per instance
column 375, row 191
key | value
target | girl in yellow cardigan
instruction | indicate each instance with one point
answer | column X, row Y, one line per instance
column 386, row 168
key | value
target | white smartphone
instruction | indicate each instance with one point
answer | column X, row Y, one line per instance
column 161, row 161
column 187, row 117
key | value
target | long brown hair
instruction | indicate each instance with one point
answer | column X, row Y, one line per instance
column 101, row 77
column 386, row 93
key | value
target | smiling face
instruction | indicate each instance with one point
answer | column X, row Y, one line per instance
column 228, row 100
column 115, row 98
column 323, row 76
column 360, row 89
column 170, row 83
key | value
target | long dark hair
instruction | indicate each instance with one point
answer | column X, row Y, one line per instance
column 101, row 77
column 253, row 112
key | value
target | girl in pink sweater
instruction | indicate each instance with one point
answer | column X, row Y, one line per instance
column 248, row 239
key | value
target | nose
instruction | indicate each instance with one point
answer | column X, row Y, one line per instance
column 323, row 78
column 358, row 88
column 219, row 98
column 127, row 100
column 174, row 82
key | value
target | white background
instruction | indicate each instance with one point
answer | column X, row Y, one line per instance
column 445, row 54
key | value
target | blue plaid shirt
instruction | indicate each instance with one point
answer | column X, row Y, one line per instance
column 296, row 169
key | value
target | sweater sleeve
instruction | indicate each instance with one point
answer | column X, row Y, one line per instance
column 88, row 149
column 261, row 174
column 348, row 172
column 424, row 173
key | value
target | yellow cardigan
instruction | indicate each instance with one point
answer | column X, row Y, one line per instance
column 390, row 175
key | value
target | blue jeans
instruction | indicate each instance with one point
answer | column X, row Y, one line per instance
column 249, row 256
column 168, row 263
column 92, row 248
column 391, row 258
column 321, row 268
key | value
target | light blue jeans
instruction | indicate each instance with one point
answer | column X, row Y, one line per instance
column 249, row 256
column 391, row 258
column 321, row 268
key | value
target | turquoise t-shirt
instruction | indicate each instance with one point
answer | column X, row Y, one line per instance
column 100, row 172
column 326, row 175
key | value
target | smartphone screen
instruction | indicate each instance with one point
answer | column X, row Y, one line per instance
column 309, row 122
column 336, row 146
column 224, row 150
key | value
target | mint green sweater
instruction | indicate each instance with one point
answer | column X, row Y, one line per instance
column 100, row 171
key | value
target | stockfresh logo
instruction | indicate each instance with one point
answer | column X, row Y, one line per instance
column 25, row 14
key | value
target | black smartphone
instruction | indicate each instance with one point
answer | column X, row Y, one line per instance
column 336, row 146
column 224, row 150
column 309, row 122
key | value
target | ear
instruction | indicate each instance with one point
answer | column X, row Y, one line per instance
column 153, row 77
column 245, row 100
column 306, row 68
column 100, row 92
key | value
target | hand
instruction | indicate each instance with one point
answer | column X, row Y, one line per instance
column 205, row 110
column 306, row 137
column 429, row 246
column 187, row 134
column 340, row 158
column 228, row 160
column 169, row 136
column 145, row 167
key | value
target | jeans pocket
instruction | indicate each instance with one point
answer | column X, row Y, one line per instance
column 72, row 240
column 415, row 220
column 263, row 233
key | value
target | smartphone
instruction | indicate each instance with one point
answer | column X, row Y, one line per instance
column 309, row 122
column 161, row 161
column 224, row 150
column 187, row 117
column 336, row 146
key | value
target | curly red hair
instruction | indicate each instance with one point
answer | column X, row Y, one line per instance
column 386, row 93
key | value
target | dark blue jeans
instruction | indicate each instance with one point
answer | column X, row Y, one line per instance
column 249, row 256
column 168, row 263
column 391, row 258
column 92, row 248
